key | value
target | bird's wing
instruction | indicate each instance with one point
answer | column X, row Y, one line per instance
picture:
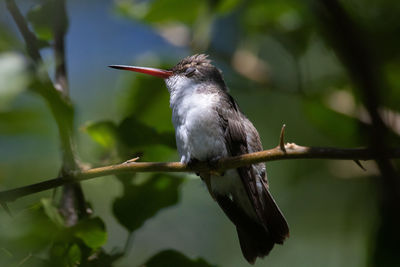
column 238, row 130
column 236, row 143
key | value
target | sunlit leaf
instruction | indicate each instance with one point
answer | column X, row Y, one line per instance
column 141, row 202
column 103, row 132
column 92, row 232
column 174, row 258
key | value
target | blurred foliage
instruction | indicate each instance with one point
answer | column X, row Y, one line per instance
column 174, row 258
column 40, row 229
column 275, row 59
column 13, row 77
column 138, row 202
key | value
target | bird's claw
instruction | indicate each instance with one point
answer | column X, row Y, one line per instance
column 191, row 163
column 213, row 163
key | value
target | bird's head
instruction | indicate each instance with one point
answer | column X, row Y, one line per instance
column 190, row 71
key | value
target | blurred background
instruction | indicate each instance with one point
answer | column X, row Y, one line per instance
column 285, row 62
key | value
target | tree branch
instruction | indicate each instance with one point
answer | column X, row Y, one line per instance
column 56, row 96
column 292, row 151
column 29, row 37
column 72, row 203
column 365, row 69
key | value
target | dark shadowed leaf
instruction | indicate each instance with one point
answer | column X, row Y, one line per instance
column 135, row 133
column 143, row 201
column 143, row 95
column 65, row 254
column 102, row 259
column 52, row 212
column 147, row 98
column 132, row 138
column 92, row 232
column 175, row 258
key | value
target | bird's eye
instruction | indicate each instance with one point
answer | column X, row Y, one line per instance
column 189, row 72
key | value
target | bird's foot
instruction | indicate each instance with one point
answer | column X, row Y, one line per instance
column 192, row 162
column 213, row 164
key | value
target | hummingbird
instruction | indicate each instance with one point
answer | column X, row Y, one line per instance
column 209, row 125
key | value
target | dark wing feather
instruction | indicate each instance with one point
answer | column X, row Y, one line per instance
column 254, row 240
column 236, row 143
column 256, row 237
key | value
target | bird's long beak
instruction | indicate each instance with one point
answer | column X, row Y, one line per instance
column 151, row 71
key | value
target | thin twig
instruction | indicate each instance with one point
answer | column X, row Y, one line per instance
column 360, row 165
column 282, row 138
column 60, row 29
column 293, row 151
column 29, row 37
column 6, row 208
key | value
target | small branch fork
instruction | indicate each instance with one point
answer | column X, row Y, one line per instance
column 290, row 151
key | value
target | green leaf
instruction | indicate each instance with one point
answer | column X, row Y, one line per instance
column 43, row 18
column 141, row 202
column 148, row 99
column 65, row 254
column 143, row 95
column 92, row 232
column 162, row 10
column 74, row 255
column 135, row 133
column 103, row 132
column 226, row 6
column 174, row 258
column 51, row 211
column 14, row 78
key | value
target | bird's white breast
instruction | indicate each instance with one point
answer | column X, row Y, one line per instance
column 197, row 129
column 199, row 135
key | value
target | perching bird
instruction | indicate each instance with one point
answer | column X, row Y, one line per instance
column 208, row 126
